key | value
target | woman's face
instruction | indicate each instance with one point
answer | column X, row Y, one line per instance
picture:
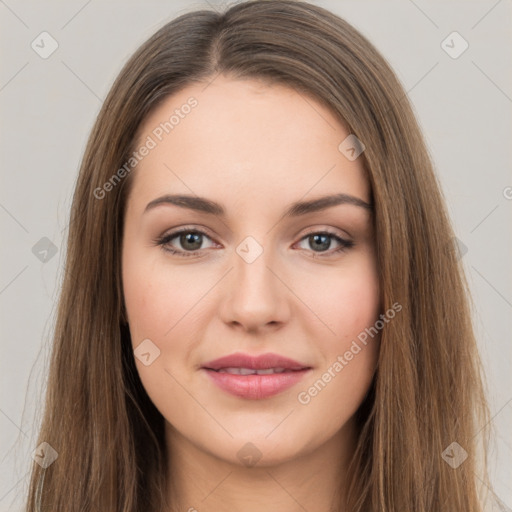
column 250, row 276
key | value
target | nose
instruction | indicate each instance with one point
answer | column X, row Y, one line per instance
column 255, row 296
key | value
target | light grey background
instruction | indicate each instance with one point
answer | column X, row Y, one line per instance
column 48, row 107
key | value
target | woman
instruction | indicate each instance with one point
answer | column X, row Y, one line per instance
column 312, row 349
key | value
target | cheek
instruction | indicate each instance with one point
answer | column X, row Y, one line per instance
column 145, row 304
column 340, row 383
column 359, row 306
column 349, row 304
column 156, row 295
column 159, row 304
column 347, row 301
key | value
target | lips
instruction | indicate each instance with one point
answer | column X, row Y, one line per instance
column 262, row 362
column 253, row 377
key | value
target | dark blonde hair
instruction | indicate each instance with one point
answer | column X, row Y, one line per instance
column 427, row 390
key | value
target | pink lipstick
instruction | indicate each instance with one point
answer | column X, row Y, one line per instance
column 255, row 377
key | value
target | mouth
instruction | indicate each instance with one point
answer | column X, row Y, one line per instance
column 255, row 378
column 251, row 371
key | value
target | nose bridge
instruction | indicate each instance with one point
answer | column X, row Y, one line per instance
column 252, row 274
column 256, row 296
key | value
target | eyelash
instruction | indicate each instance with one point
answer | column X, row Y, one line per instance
column 164, row 240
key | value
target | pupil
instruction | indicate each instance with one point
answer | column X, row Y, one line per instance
column 324, row 245
column 191, row 238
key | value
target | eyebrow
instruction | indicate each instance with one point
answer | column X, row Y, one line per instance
column 296, row 209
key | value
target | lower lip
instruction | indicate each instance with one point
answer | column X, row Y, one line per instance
column 256, row 387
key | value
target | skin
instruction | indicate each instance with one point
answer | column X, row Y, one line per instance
column 255, row 149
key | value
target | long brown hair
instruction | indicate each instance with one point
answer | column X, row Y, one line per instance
column 427, row 391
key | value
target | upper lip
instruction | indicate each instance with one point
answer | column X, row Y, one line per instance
column 261, row 362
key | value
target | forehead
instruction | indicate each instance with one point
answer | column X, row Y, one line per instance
column 244, row 140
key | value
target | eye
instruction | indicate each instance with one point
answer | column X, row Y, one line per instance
column 190, row 240
column 322, row 240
